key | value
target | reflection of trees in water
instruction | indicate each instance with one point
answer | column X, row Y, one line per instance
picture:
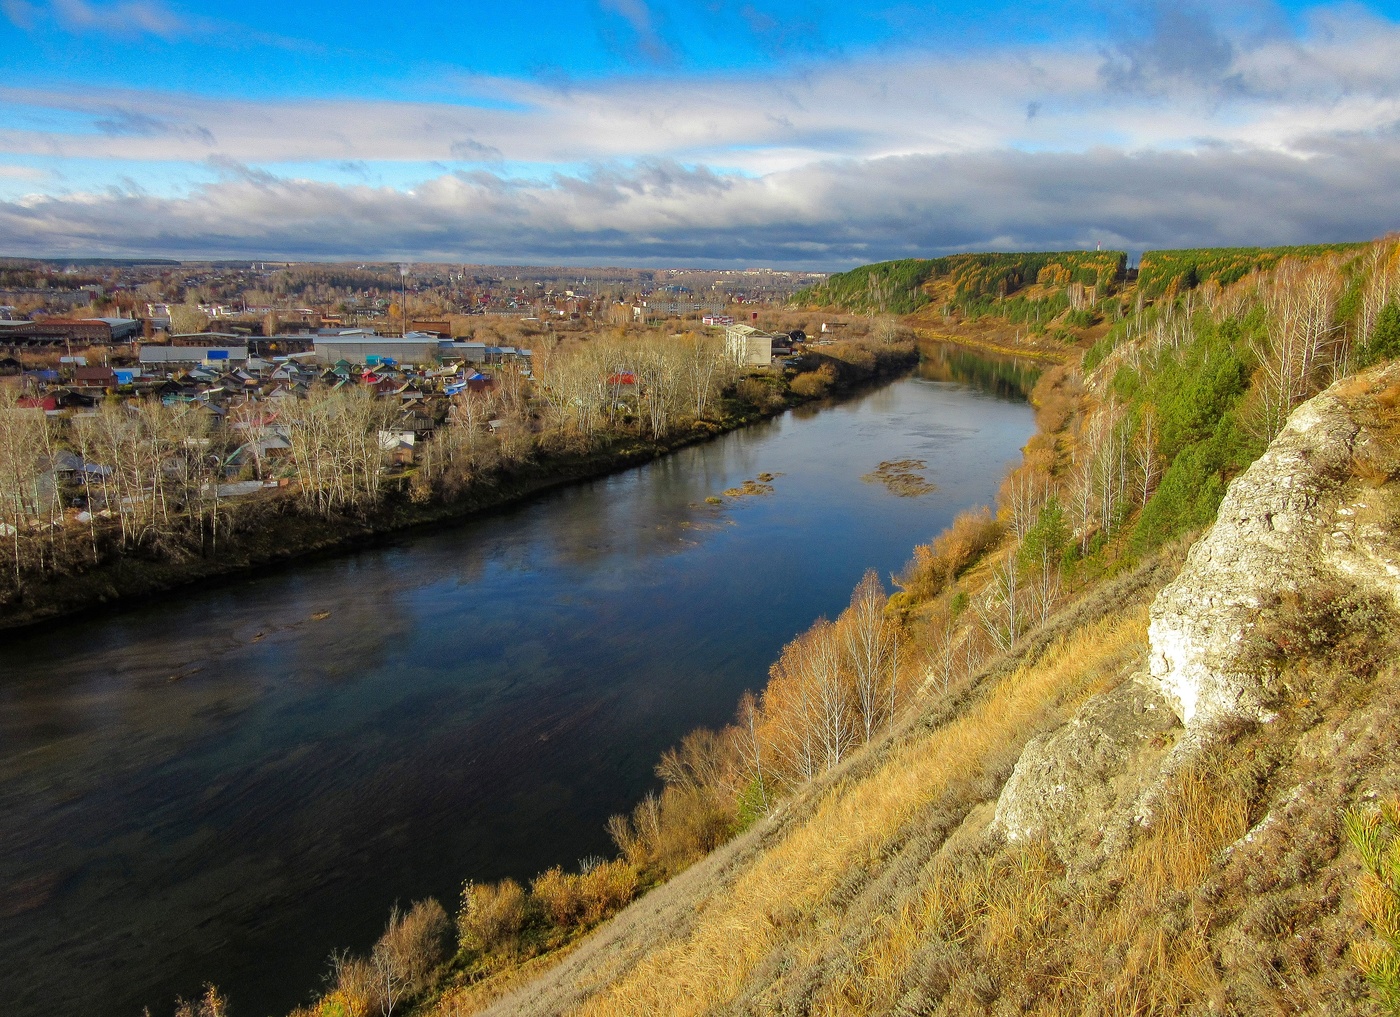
column 659, row 510
column 1008, row 377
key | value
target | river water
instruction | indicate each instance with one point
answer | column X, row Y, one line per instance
column 227, row 785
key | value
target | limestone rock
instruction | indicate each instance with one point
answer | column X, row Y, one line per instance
column 1287, row 522
column 1078, row 785
column 1298, row 516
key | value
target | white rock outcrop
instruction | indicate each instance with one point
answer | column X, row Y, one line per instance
column 1289, row 521
column 1298, row 516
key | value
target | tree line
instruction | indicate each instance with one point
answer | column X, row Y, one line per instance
column 147, row 475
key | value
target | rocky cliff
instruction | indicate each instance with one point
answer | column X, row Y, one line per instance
column 1316, row 512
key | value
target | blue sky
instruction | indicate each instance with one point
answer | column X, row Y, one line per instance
column 721, row 132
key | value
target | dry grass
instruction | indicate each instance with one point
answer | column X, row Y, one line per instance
column 878, row 891
column 902, row 477
column 786, row 899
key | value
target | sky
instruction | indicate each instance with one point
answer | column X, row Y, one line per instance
column 716, row 133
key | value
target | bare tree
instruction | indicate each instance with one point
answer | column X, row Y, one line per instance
column 408, row 951
column 942, row 650
column 1145, row 457
column 1302, row 340
column 869, row 643
column 1000, row 608
column 750, row 746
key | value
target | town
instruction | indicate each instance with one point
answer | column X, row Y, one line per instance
column 234, row 342
column 175, row 419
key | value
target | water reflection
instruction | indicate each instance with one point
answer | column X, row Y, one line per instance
column 1009, row 377
column 229, row 785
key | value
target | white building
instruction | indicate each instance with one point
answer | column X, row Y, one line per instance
column 747, row 345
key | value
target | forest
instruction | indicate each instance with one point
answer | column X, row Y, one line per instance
column 1171, row 272
column 970, row 283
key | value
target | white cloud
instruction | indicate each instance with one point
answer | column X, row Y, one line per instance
column 1344, row 75
column 826, row 215
column 1278, row 137
column 135, row 18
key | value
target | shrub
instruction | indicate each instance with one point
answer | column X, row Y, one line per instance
column 211, row 1004
column 492, row 915
column 1338, row 625
column 1376, row 837
column 758, row 392
column 952, row 552
column 606, row 888
column 670, row 830
column 409, row 950
column 569, row 900
column 355, row 990
column 814, row 383
column 556, row 894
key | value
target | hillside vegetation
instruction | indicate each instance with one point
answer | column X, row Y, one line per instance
column 971, row 283
column 1069, row 766
column 1171, row 272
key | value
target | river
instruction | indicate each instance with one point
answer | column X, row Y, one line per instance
column 229, row 784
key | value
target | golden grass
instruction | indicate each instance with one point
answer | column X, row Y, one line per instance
column 783, row 901
column 1071, row 948
column 462, row 1000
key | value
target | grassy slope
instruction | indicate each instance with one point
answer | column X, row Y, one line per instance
column 792, row 897
column 875, row 892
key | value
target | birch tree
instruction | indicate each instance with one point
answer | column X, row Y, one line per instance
column 869, row 644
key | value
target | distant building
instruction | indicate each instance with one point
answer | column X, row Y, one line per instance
column 94, row 378
column 441, row 327
column 84, row 331
column 747, row 345
column 414, row 348
column 182, row 356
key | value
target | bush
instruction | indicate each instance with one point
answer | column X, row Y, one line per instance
column 670, row 830
column 355, row 990
column 758, row 392
column 1376, row 837
column 814, row 383
column 211, row 1004
column 410, row 949
column 569, row 900
column 952, row 552
column 492, row 915
column 1337, row 625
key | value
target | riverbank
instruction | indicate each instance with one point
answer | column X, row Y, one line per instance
column 983, row 344
column 274, row 534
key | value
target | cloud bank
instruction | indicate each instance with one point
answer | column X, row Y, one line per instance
column 1181, row 135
